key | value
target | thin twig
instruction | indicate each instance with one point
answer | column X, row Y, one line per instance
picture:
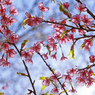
column 69, row 26
column 26, row 68
column 53, row 73
column 89, row 66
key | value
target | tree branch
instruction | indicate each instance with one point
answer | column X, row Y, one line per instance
column 26, row 68
column 88, row 11
column 53, row 73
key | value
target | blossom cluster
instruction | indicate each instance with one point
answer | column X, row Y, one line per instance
column 61, row 36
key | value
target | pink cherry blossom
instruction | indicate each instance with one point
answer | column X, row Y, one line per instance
column 45, row 56
column 63, row 57
column 71, row 72
column 67, row 78
column 26, row 55
column 13, row 38
column 13, row 10
column 28, row 15
column 46, row 82
column 81, row 32
column 42, row 8
column 50, row 40
column 7, row 33
column 4, row 63
column 53, row 47
column 37, row 47
column 72, row 90
column 6, row 46
column 66, row 5
column 87, row 21
column 55, row 91
column 8, row 2
column 54, row 56
column 81, row 7
column 92, row 58
column 87, row 44
column 32, row 21
column 11, row 53
column 11, row 20
column 84, row 78
column 2, row 9
column 52, row 77
column 76, row 19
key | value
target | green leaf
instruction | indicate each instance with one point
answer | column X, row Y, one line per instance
column 42, row 78
column 43, row 87
column 18, row 73
column 1, row 93
column 23, row 24
column 71, row 53
column 24, row 43
column 93, row 74
column 63, row 91
column 62, row 8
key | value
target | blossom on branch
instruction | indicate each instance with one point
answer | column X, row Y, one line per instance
column 42, row 8
column 81, row 7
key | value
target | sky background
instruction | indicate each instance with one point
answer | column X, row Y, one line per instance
column 18, row 85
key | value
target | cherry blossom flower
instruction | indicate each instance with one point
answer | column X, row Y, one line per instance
column 81, row 32
column 28, row 15
column 7, row 33
column 63, row 57
column 52, row 47
column 66, row 5
column 13, row 38
column 76, row 19
column 8, row 2
column 26, row 56
column 54, row 56
column 50, row 40
column 6, row 46
column 87, row 21
column 71, row 72
column 92, row 58
column 52, row 77
column 45, row 56
column 13, row 10
column 4, row 19
column 32, row 21
column 10, row 20
column 87, row 44
column 42, row 8
column 2, row 9
column 4, row 63
column 84, row 78
column 67, row 78
column 72, row 90
column 37, row 47
column 81, row 7
column 73, row 30
column 55, row 91
column 46, row 82
column 11, row 53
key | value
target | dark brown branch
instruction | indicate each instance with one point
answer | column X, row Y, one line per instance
column 53, row 73
column 26, row 68
column 69, row 26
column 89, row 66
column 88, row 11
